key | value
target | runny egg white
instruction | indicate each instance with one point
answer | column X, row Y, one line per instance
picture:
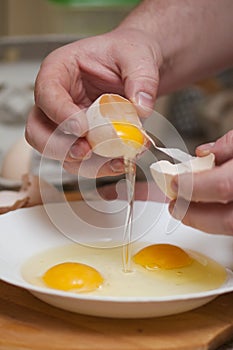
column 157, row 270
column 115, row 131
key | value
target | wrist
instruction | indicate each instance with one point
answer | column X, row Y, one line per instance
column 142, row 20
column 154, row 19
column 192, row 37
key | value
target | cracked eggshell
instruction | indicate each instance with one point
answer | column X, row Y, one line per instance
column 102, row 136
column 163, row 171
column 17, row 160
column 29, row 194
column 12, row 200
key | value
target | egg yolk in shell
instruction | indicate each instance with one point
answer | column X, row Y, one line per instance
column 111, row 106
column 73, row 276
column 162, row 256
column 129, row 133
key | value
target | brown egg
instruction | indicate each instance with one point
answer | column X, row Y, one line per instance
column 115, row 129
column 17, row 160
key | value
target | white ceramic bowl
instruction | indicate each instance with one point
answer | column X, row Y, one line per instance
column 27, row 232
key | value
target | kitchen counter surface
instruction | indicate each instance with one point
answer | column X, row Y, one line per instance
column 28, row 323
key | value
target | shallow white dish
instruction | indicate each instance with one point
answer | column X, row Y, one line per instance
column 27, row 232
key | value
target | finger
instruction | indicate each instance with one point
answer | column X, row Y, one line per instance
column 79, row 150
column 45, row 137
column 59, row 93
column 140, row 74
column 212, row 218
column 215, row 185
column 222, row 148
column 96, row 167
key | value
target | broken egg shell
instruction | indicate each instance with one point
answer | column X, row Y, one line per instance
column 29, row 194
column 164, row 171
column 102, row 136
column 17, row 160
column 12, row 200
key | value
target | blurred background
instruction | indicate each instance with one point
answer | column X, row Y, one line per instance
column 80, row 17
column 30, row 29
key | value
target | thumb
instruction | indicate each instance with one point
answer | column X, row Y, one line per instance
column 140, row 74
column 222, row 148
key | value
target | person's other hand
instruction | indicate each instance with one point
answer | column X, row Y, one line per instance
column 72, row 77
column 211, row 207
column 144, row 191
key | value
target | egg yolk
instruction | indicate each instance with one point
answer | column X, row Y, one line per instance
column 162, row 256
column 73, row 276
column 129, row 133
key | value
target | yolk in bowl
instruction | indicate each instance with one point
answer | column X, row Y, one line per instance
column 202, row 273
column 73, row 276
column 163, row 256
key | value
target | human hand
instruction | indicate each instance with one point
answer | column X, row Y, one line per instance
column 72, row 77
column 144, row 191
column 211, row 207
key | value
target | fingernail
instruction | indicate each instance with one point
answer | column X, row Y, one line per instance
column 144, row 100
column 77, row 152
column 117, row 166
column 72, row 126
column 205, row 149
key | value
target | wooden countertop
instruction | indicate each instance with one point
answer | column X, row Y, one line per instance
column 28, row 323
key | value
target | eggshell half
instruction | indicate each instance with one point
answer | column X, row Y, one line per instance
column 163, row 171
column 12, row 200
column 29, row 194
column 17, row 160
column 101, row 135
